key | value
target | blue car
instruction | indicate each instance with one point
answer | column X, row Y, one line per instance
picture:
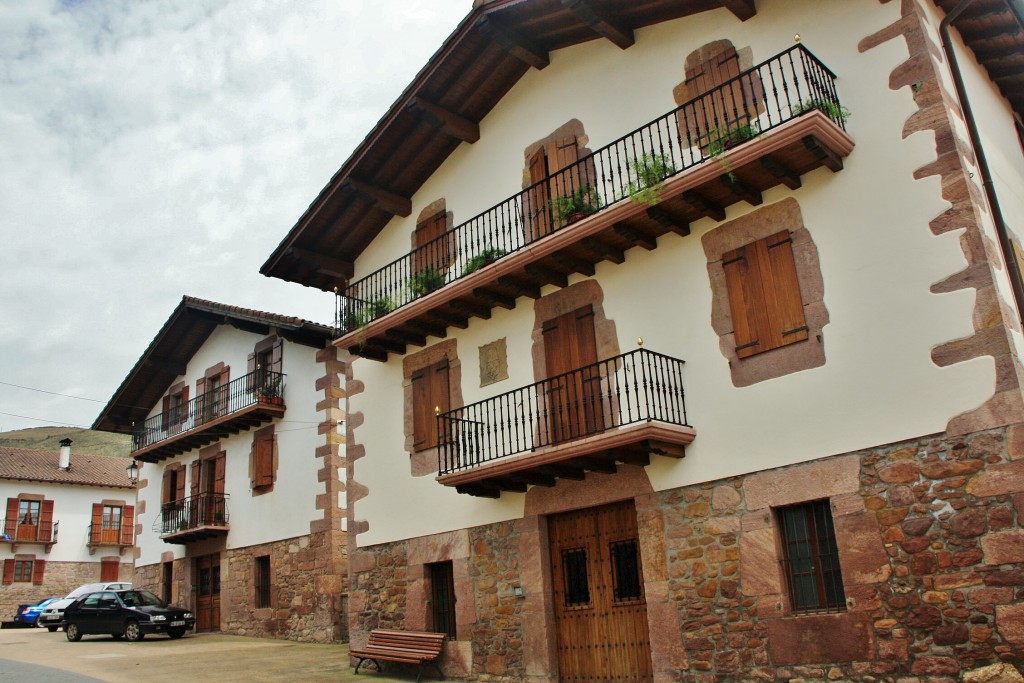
column 28, row 614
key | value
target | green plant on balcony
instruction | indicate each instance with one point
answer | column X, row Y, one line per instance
column 646, row 176
column 829, row 108
column 368, row 312
column 270, row 390
column 484, row 258
column 425, row 281
column 724, row 137
column 584, row 201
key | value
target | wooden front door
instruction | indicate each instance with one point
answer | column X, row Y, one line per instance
column 206, row 579
column 598, row 594
column 573, row 400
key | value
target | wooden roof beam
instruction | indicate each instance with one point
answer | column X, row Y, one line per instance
column 743, row 9
column 601, row 23
column 513, row 43
column 704, row 206
column 667, row 219
column 448, row 122
column 175, row 368
column 323, row 264
column 741, row 189
column 385, row 200
column 787, row 176
column 636, row 237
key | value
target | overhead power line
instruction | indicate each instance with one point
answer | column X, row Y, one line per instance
column 52, row 393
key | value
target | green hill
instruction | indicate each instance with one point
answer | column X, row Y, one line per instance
column 83, row 440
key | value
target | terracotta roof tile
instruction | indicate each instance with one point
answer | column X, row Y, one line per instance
column 86, row 470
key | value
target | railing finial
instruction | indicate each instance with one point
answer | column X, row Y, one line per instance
column 796, row 38
column 640, row 341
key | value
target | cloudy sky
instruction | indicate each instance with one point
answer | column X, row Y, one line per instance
column 155, row 148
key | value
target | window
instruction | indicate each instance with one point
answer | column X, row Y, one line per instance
column 442, row 597
column 433, row 255
column 173, row 486
column 212, row 391
column 29, row 519
column 577, row 585
column 265, row 367
column 764, row 295
column 24, row 569
column 263, row 458
column 625, row 569
column 112, row 524
column 175, row 409
column 430, row 396
column 262, row 581
column 810, row 558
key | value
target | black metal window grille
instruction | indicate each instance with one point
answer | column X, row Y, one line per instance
column 811, row 558
column 442, row 597
column 262, row 581
column 577, row 585
column 625, row 557
column 782, row 88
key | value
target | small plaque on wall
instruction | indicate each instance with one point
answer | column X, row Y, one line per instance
column 493, row 362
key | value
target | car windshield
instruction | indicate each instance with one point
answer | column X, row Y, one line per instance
column 141, row 599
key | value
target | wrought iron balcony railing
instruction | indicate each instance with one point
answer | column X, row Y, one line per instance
column 18, row 531
column 193, row 512
column 254, row 388
column 639, row 386
column 102, row 534
column 764, row 97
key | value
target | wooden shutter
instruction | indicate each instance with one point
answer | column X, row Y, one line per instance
column 110, row 569
column 438, row 254
column 250, row 364
column 539, row 211
column 38, row 572
column 224, row 391
column 46, row 520
column 179, row 483
column 219, row 467
column 277, row 356
column 127, row 526
column 764, row 295
column 722, row 108
column 202, row 401
column 95, row 533
column 166, row 492
column 9, row 570
column 197, row 468
column 430, row 394
column 562, row 156
column 165, row 413
column 11, row 521
column 263, row 459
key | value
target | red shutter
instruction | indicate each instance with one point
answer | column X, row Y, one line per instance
column 97, row 523
column 263, row 459
column 219, row 466
column 224, row 399
column 166, row 493
column 110, row 570
column 38, row 571
column 277, row 356
column 202, row 401
column 197, row 466
column 179, row 483
column 46, row 521
column 539, row 212
column 127, row 526
column 8, row 571
column 11, row 521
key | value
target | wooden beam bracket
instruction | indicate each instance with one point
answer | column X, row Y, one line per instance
column 448, row 122
column 601, row 23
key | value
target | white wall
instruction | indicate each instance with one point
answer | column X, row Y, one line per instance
column 869, row 223
column 72, row 509
column 287, row 510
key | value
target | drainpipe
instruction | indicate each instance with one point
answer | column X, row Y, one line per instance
column 1005, row 246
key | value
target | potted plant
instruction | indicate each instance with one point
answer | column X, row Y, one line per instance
column 270, row 390
column 367, row 312
column 646, row 174
column 584, row 201
column 829, row 108
column 484, row 258
column 723, row 138
column 425, row 281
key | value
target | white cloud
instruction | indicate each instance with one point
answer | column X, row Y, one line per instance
column 161, row 148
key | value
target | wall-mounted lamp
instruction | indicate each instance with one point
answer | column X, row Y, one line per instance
column 133, row 472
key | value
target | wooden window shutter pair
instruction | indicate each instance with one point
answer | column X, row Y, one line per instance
column 764, row 295
column 430, row 394
column 263, row 459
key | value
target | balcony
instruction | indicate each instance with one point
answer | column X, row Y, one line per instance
column 620, row 410
column 17, row 533
column 194, row 518
column 244, row 403
column 105, row 536
column 711, row 152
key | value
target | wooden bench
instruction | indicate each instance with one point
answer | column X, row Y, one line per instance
column 406, row 647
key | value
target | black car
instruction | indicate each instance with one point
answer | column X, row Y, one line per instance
column 130, row 614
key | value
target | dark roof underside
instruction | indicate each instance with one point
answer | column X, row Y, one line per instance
column 478, row 64
column 167, row 356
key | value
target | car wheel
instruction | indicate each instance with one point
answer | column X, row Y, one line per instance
column 176, row 633
column 73, row 633
column 51, row 629
column 132, row 632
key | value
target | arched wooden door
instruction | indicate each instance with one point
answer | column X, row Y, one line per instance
column 598, row 593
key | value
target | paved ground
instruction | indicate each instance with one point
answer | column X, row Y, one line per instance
column 158, row 659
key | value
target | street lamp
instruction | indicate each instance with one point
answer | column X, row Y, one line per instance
column 133, row 472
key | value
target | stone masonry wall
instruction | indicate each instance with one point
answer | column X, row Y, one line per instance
column 59, row 579
column 498, row 631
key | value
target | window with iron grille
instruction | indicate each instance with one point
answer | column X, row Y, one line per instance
column 811, row 558
column 625, row 569
column 262, row 581
column 442, row 597
column 577, row 585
